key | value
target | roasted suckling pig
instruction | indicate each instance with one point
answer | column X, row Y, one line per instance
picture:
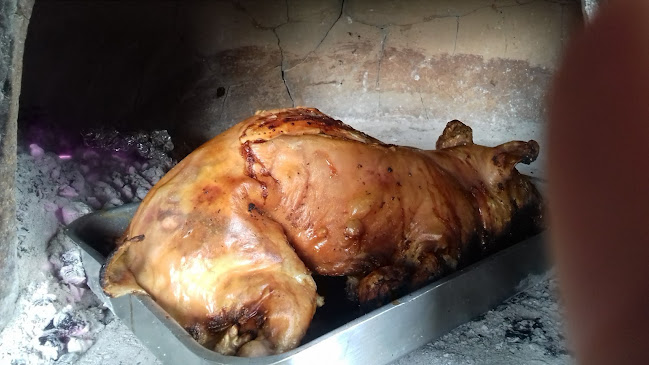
column 228, row 240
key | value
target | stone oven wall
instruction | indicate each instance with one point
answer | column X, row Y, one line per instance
column 14, row 17
column 398, row 70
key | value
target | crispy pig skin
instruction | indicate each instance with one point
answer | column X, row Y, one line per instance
column 227, row 240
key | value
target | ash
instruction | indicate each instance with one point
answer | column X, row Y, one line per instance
column 526, row 329
column 58, row 319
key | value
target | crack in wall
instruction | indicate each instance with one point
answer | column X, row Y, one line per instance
column 225, row 98
column 281, row 51
column 423, row 107
column 505, row 35
column 457, row 31
column 279, row 45
column 431, row 18
column 281, row 67
column 340, row 15
column 385, row 32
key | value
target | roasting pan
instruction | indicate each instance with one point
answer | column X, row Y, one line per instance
column 339, row 333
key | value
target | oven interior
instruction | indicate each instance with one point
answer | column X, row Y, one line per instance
column 115, row 93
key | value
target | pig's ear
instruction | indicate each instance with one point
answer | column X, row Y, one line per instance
column 456, row 133
column 115, row 277
column 507, row 155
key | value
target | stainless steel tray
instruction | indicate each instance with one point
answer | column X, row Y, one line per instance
column 378, row 337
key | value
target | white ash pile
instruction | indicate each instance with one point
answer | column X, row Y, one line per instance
column 59, row 318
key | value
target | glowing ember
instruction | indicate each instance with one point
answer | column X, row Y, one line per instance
column 35, row 150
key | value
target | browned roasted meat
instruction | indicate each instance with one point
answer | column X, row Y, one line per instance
column 225, row 242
